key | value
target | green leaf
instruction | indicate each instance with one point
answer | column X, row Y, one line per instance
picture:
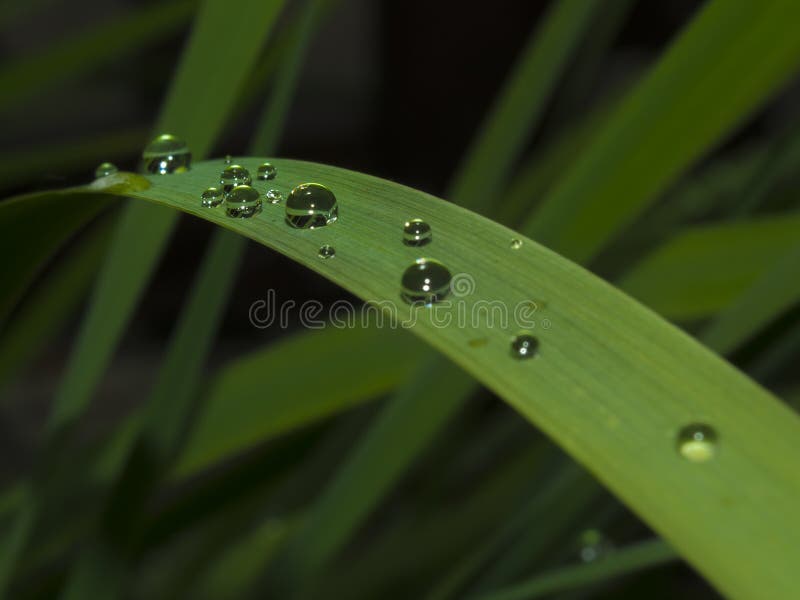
column 235, row 415
column 631, row 559
column 604, row 361
column 77, row 55
column 703, row 268
column 520, row 104
column 687, row 104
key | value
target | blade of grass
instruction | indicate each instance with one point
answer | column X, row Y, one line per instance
column 520, row 104
column 691, row 99
column 703, row 268
column 775, row 291
column 77, row 55
column 604, row 361
column 632, row 559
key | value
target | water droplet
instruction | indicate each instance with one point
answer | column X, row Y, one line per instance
column 416, row 232
column 228, row 159
column 212, row 197
column 274, row 196
column 266, row 171
column 594, row 546
column 311, row 205
column 166, row 154
column 425, row 281
column 105, row 169
column 234, row 175
column 524, row 345
column 697, row 442
column 242, row 202
column 516, row 244
column 326, row 251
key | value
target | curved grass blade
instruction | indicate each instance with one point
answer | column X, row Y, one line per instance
column 632, row 559
column 605, row 361
column 520, row 104
column 691, row 99
column 703, row 268
column 80, row 54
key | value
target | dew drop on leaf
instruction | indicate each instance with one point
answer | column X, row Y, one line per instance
column 524, row 346
column 212, row 197
column 274, row 196
column 228, row 159
column 242, row 202
column 266, row 171
column 426, row 281
column 234, row 175
column 594, row 546
column 697, row 442
column 416, row 232
column 166, row 154
column 105, row 169
column 516, row 244
column 326, row 251
column 311, row 205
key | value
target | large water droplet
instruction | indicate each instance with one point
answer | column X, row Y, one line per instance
column 234, row 175
column 427, row 281
column 311, row 205
column 697, row 442
column 105, row 169
column 166, row 154
column 326, row 251
column 274, row 196
column 524, row 345
column 212, row 197
column 416, row 232
column 266, row 171
column 243, row 202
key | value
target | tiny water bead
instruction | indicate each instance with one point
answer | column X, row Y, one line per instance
column 697, row 442
column 274, row 196
column 416, row 232
column 228, row 159
column 266, row 171
column 311, row 205
column 516, row 244
column 326, row 251
column 234, row 175
column 212, row 197
column 524, row 346
column 426, row 281
column 166, row 154
column 242, row 202
column 105, row 169
column 594, row 546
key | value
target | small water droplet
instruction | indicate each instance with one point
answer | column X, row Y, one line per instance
column 228, row 159
column 524, row 345
column 326, row 251
column 274, row 196
column 311, row 205
column 234, row 175
column 266, row 171
column 166, row 154
column 427, row 281
column 416, row 232
column 594, row 546
column 242, row 202
column 105, row 169
column 697, row 442
column 516, row 244
column 212, row 197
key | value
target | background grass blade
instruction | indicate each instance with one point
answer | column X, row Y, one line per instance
column 702, row 269
column 519, row 106
column 74, row 56
column 657, row 380
column 621, row 562
column 656, row 134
